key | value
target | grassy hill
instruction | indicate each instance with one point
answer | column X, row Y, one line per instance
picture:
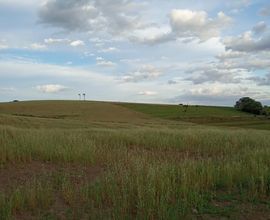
column 89, row 111
column 98, row 160
column 68, row 114
column 178, row 111
column 207, row 115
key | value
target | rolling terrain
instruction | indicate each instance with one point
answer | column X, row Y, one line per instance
column 98, row 160
column 207, row 115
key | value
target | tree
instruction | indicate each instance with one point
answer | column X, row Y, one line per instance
column 247, row 104
column 265, row 111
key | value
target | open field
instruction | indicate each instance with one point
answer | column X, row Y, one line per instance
column 206, row 115
column 97, row 160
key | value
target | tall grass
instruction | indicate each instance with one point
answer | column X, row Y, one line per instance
column 150, row 173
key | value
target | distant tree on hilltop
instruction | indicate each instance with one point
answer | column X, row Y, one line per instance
column 265, row 111
column 247, row 104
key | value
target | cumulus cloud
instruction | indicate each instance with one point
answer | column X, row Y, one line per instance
column 38, row 46
column 231, row 67
column 217, row 93
column 70, row 15
column 229, row 54
column 247, row 43
column 145, row 72
column 186, row 25
column 123, row 18
column 260, row 27
column 196, row 24
column 265, row 11
column 214, row 90
column 104, row 63
column 214, row 73
column 114, row 16
column 108, row 50
column 77, row 43
column 172, row 82
column 152, row 35
column 51, row 88
column 147, row 93
column 261, row 81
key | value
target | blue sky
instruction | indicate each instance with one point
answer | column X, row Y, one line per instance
column 197, row 52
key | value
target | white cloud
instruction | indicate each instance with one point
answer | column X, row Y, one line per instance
column 38, row 46
column 238, row 4
column 131, row 61
column 196, row 24
column 125, row 19
column 246, row 43
column 152, row 35
column 25, row 69
column 219, row 94
column 105, row 63
column 109, row 50
column 260, row 27
column 147, row 93
column 99, row 59
column 55, row 40
column 265, row 11
column 145, row 72
column 215, row 73
column 77, row 43
column 7, row 89
column 51, row 88
column 88, row 54
column 114, row 16
column 172, row 81
column 229, row 54
column 3, row 44
column 261, row 81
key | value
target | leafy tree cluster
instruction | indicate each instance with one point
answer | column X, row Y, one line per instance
column 266, row 110
column 250, row 105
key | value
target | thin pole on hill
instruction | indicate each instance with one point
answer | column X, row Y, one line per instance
column 79, row 96
column 83, row 96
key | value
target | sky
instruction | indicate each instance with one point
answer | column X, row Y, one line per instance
column 209, row 52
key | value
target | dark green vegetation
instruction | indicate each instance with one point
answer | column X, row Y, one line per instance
column 247, row 104
column 93, row 160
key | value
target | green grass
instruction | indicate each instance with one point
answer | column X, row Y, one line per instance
column 206, row 115
column 178, row 111
column 151, row 168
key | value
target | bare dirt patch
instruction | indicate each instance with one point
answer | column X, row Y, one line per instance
column 14, row 175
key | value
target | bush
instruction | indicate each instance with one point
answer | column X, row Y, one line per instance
column 247, row 104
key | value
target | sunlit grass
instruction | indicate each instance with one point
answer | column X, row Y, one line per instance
column 151, row 171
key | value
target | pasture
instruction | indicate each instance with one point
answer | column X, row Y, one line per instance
column 99, row 160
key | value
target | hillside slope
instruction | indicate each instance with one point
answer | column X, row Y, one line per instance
column 206, row 115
